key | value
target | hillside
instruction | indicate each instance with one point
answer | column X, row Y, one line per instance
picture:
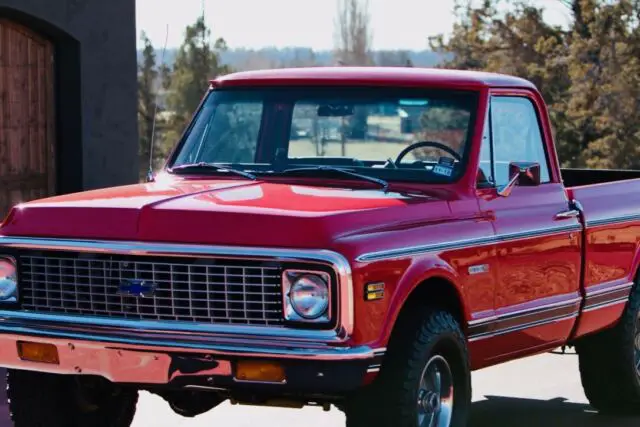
column 246, row 59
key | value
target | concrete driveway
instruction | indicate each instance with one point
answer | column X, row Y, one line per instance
column 541, row 391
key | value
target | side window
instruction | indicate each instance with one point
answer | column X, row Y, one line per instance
column 516, row 136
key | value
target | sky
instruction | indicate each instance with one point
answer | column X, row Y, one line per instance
column 397, row 24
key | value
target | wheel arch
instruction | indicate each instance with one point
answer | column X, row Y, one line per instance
column 440, row 292
column 437, row 291
column 634, row 275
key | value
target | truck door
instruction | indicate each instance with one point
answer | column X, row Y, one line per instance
column 538, row 238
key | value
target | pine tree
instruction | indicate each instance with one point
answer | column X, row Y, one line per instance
column 589, row 74
column 197, row 62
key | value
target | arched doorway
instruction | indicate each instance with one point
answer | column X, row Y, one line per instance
column 27, row 117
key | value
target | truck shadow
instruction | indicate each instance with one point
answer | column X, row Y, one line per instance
column 500, row 411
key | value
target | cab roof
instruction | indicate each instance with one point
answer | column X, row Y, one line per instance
column 372, row 76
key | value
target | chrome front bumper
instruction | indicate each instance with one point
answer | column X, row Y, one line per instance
column 120, row 363
column 94, row 346
column 187, row 354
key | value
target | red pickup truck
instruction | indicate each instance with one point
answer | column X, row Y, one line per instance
column 357, row 237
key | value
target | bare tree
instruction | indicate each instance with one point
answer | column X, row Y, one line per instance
column 353, row 34
column 353, row 48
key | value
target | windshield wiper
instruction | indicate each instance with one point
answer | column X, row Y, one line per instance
column 384, row 184
column 211, row 167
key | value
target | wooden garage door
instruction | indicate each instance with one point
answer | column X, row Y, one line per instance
column 27, row 149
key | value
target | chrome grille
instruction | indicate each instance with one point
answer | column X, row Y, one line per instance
column 195, row 290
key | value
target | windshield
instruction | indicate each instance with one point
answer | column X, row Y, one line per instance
column 388, row 133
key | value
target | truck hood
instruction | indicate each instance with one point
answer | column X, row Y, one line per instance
column 224, row 212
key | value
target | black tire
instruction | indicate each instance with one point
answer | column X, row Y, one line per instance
column 49, row 400
column 421, row 336
column 608, row 363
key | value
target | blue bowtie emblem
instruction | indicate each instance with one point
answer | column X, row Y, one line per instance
column 137, row 288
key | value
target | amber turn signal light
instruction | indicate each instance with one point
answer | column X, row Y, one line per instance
column 38, row 352
column 258, row 371
column 374, row 291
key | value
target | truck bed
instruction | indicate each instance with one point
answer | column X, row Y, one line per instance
column 611, row 208
column 574, row 177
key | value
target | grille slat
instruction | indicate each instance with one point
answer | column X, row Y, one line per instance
column 196, row 290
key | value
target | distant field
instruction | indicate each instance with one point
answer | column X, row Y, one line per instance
column 364, row 150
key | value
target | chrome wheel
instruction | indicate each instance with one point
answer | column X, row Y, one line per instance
column 435, row 394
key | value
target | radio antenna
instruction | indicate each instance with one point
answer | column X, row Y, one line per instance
column 155, row 113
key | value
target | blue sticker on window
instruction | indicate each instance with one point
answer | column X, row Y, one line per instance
column 443, row 170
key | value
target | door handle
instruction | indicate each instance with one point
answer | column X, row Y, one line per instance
column 572, row 213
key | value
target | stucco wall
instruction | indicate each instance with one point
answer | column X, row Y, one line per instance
column 96, row 86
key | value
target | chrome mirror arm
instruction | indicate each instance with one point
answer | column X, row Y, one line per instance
column 505, row 190
column 522, row 173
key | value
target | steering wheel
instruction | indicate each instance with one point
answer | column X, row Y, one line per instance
column 421, row 144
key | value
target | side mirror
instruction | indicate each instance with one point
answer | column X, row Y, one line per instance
column 526, row 174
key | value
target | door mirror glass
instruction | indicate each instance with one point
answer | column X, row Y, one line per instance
column 525, row 174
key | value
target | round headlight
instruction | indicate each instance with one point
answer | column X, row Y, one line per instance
column 8, row 279
column 309, row 296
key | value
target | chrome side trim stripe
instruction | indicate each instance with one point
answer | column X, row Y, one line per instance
column 523, row 327
column 524, row 319
column 417, row 250
column 537, row 233
column 459, row 244
column 606, row 288
column 605, row 295
column 605, row 305
column 614, row 220
column 520, row 313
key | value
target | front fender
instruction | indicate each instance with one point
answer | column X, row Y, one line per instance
column 410, row 273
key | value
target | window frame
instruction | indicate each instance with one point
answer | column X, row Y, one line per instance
column 488, row 127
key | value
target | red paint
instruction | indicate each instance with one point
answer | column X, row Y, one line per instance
column 388, row 76
column 501, row 305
